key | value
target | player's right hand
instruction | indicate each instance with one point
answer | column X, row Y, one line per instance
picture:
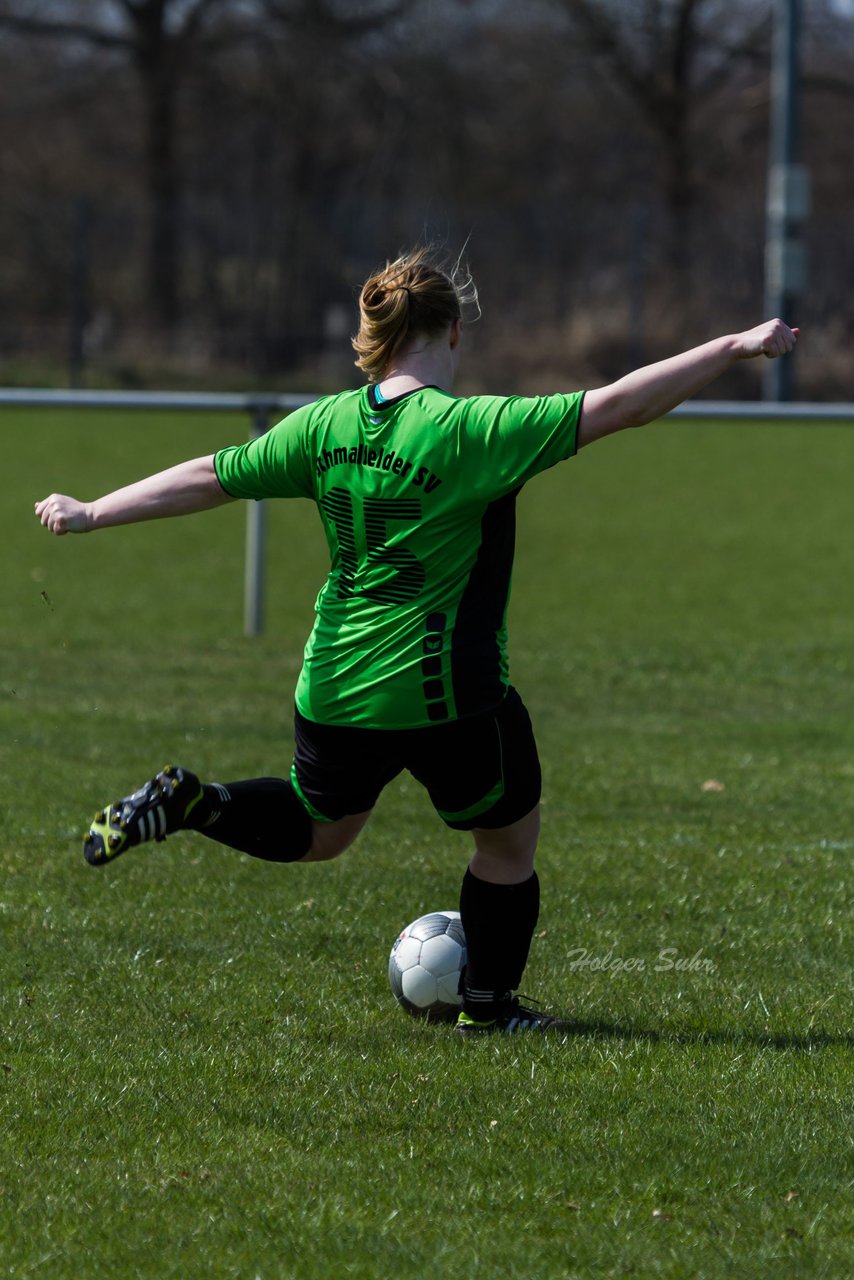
column 61, row 514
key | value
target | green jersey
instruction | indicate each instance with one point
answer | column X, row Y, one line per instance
column 417, row 499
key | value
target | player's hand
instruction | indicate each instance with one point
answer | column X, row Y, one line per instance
column 771, row 339
column 61, row 514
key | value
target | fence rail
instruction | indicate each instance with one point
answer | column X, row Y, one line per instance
column 269, row 403
column 263, row 408
column 216, row 401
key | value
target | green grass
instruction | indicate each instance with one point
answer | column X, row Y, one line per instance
column 202, row 1072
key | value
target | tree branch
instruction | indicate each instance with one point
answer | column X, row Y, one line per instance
column 65, row 30
column 195, row 17
column 829, row 84
column 601, row 34
column 324, row 13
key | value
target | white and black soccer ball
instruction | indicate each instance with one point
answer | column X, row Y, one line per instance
column 425, row 964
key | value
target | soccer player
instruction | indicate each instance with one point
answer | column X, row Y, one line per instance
column 406, row 667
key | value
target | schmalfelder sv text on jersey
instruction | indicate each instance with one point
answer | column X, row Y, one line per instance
column 417, row 498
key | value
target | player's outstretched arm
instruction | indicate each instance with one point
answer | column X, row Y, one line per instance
column 650, row 392
column 180, row 491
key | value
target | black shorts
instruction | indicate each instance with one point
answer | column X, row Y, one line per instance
column 482, row 771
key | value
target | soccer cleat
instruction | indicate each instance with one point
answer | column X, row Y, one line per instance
column 511, row 1017
column 152, row 813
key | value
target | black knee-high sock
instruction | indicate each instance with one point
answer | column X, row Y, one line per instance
column 261, row 816
column 499, row 922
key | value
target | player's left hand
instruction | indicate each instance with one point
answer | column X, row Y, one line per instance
column 771, row 339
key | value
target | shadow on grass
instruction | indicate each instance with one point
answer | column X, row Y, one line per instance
column 759, row 1039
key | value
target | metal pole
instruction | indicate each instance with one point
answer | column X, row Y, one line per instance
column 79, row 311
column 256, row 547
column 787, row 201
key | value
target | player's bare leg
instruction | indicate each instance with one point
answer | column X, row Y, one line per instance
column 505, row 855
column 330, row 839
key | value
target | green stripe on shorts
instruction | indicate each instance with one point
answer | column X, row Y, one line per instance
column 475, row 810
column 307, row 805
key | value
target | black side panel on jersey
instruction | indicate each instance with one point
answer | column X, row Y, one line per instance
column 475, row 651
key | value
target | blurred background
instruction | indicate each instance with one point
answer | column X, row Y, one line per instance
column 191, row 191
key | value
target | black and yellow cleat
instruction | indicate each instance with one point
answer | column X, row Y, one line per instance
column 510, row 1018
column 160, row 807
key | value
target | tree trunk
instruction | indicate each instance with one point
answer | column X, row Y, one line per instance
column 157, row 63
column 162, row 189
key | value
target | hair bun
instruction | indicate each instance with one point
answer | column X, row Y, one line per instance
column 415, row 294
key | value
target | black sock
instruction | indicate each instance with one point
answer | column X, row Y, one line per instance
column 499, row 922
column 263, row 817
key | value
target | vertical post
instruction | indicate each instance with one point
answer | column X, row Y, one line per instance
column 638, row 240
column 256, row 545
column 79, row 309
column 787, row 200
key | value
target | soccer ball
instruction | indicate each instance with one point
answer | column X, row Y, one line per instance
column 425, row 963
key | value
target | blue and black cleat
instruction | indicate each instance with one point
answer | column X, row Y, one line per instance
column 160, row 807
column 509, row 1018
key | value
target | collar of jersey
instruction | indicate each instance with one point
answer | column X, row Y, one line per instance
column 377, row 401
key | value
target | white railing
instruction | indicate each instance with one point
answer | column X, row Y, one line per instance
column 270, row 403
column 265, row 408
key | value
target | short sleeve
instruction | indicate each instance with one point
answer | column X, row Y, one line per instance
column 275, row 465
column 526, row 435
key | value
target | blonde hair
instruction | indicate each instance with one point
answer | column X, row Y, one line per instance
column 412, row 295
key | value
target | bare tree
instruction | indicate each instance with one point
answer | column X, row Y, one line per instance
column 668, row 60
column 157, row 37
column 317, row 95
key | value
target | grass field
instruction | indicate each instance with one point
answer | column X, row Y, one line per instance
column 202, row 1071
